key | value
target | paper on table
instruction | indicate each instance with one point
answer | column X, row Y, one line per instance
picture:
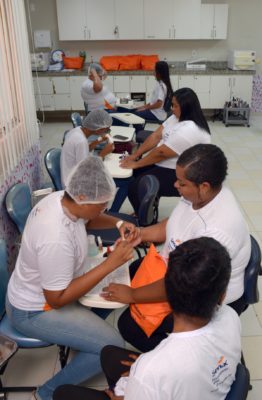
column 93, row 298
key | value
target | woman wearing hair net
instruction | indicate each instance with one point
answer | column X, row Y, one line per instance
column 76, row 147
column 94, row 93
column 49, row 275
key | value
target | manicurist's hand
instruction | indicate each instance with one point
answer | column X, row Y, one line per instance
column 122, row 253
column 130, row 232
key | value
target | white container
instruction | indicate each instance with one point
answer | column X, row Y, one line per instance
column 242, row 60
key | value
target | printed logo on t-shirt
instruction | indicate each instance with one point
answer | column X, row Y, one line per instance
column 173, row 244
column 221, row 372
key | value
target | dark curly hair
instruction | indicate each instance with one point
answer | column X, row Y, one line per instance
column 197, row 276
column 204, row 163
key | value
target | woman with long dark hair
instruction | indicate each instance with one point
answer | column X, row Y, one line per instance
column 156, row 109
column 185, row 128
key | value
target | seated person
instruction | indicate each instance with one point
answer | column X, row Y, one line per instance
column 51, row 273
column 154, row 110
column 199, row 358
column 206, row 208
column 76, row 147
column 95, row 94
column 185, row 128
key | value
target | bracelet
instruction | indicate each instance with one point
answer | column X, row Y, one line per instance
column 119, row 224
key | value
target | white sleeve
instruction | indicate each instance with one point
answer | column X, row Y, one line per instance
column 178, row 141
column 138, row 390
column 161, row 91
column 56, row 264
column 81, row 151
column 87, row 89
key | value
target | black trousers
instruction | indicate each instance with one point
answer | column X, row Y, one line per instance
column 165, row 176
column 111, row 357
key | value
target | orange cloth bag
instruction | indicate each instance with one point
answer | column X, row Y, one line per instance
column 149, row 315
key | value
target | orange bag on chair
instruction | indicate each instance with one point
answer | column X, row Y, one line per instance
column 149, row 316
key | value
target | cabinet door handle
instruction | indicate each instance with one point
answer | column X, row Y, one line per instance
column 150, row 37
column 174, row 32
column 215, row 33
column 54, row 91
column 212, row 34
column 169, row 35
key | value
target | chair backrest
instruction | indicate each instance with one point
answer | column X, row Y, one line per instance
column 240, row 386
column 252, row 271
column 147, row 193
column 76, row 119
column 52, row 163
column 64, row 136
column 19, row 204
column 3, row 276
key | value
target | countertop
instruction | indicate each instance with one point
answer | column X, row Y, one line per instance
column 176, row 68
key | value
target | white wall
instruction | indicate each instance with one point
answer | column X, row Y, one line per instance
column 244, row 32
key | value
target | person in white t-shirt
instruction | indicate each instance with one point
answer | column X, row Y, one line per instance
column 206, row 208
column 76, row 147
column 162, row 94
column 199, row 358
column 95, row 94
column 185, row 128
column 51, row 273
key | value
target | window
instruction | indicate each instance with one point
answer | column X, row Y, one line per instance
column 18, row 124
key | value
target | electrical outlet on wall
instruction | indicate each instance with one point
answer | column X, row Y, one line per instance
column 194, row 54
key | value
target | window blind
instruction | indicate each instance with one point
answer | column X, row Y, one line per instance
column 18, row 123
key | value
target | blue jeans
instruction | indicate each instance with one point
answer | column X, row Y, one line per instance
column 74, row 326
column 121, row 194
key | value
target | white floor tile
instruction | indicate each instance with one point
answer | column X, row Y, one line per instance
column 252, row 349
column 255, row 393
column 250, row 323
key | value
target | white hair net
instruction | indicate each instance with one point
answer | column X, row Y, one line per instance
column 100, row 71
column 91, row 181
column 97, row 119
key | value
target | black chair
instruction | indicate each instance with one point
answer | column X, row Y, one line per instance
column 141, row 136
column 7, row 330
column 52, row 163
column 147, row 214
column 240, row 386
column 252, row 271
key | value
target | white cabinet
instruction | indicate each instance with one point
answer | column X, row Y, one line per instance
column 150, row 82
column 186, row 19
column 174, row 81
column 224, row 87
column 121, row 84
column 100, row 19
column 129, row 19
column 75, row 88
column 159, row 19
column 52, row 93
column 71, row 17
column 213, row 21
column 241, row 86
column 201, row 86
column 137, row 84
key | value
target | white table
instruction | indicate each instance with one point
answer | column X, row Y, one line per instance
column 126, row 131
column 112, row 161
column 128, row 118
column 130, row 105
column 120, row 275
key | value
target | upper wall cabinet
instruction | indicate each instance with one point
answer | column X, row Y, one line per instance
column 158, row 19
column 172, row 19
column 187, row 19
column 140, row 19
column 213, row 21
column 71, row 19
column 129, row 19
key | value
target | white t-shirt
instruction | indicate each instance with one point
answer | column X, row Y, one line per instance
column 220, row 219
column 96, row 101
column 52, row 253
column 159, row 93
column 74, row 150
column 179, row 136
column 200, row 364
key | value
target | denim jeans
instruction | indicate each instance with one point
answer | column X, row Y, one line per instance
column 122, row 184
column 74, row 326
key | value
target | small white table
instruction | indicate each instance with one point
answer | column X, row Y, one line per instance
column 112, row 161
column 127, row 132
column 128, row 118
column 120, row 275
column 130, row 105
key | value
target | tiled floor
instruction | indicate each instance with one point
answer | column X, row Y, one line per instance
column 243, row 148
